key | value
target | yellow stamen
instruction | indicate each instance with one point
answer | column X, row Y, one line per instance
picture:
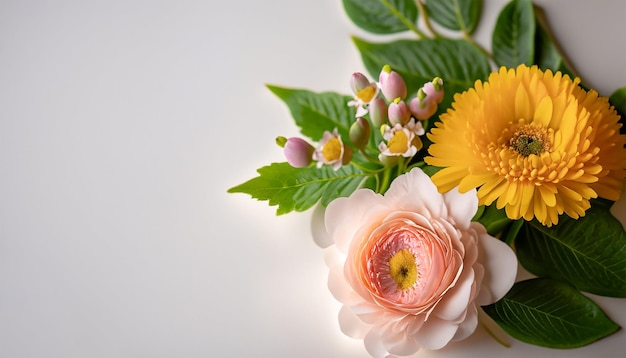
column 332, row 149
column 403, row 269
column 399, row 143
column 367, row 94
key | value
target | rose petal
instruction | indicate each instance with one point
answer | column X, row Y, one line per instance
column 500, row 265
column 344, row 216
column 338, row 286
column 415, row 191
column 461, row 207
column 435, row 333
column 351, row 325
column 374, row 345
column 399, row 343
column 469, row 324
column 455, row 302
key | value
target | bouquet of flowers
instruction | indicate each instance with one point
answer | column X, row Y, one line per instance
column 446, row 167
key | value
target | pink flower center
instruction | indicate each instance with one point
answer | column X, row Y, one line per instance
column 406, row 264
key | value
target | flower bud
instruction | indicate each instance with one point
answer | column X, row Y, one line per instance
column 378, row 112
column 358, row 82
column 388, row 161
column 360, row 133
column 299, row 153
column 392, row 84
column 422, row 106
column 347, row 155
column 399, row 113
column 434, row 90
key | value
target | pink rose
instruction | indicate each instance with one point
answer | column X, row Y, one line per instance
column 410, row 267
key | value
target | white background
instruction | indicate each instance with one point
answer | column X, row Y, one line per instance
column 122, row 125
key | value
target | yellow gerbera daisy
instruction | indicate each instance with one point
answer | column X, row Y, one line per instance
column 532, row 141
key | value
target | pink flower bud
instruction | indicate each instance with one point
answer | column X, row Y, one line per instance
column 358, row 82
column 399, row 113
column 360, row 133
column 434, row 90
column 422, row 106
column 298, row 152
column 392, row 84
column 378, row 112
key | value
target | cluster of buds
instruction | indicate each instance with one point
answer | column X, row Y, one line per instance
column 383, row 105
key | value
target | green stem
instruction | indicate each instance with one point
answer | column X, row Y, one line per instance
column 472, row 42
column 369, row 157
column 409, row 24
column 386, row 181
column 422, row 10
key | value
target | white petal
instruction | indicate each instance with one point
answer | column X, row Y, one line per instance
column 351, row 325
column 461, row 207
column 318, row 228
column 500, row 265
column 436, row 333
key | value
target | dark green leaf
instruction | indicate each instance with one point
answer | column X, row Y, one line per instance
column 513, row 40
column 589, row 253
column 300, row 188
column 315, row 113
column 382, row 16
column 493, row 219
column 459, row 15
column 550, row 313
column 456, row 61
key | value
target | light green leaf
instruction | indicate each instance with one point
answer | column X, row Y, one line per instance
column 550, row 313
column 456, row 61
column 315, row 112
column 513, row 39
column 300, row 188
column 589, row 253
column 458, row 15
column 382, row 16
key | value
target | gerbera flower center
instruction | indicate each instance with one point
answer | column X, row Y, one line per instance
column 399, row 143
column 402, row 269
column 529, row 140
column 332, row 149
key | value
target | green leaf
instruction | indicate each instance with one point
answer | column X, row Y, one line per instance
column 382, row 16
column 550, row 313
column 547, row 54
column 493, row 219
column 513, row 39
column 458, row 15
column 418, row 61
column 315, row 112
column 300, row 188
column 589, row 253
